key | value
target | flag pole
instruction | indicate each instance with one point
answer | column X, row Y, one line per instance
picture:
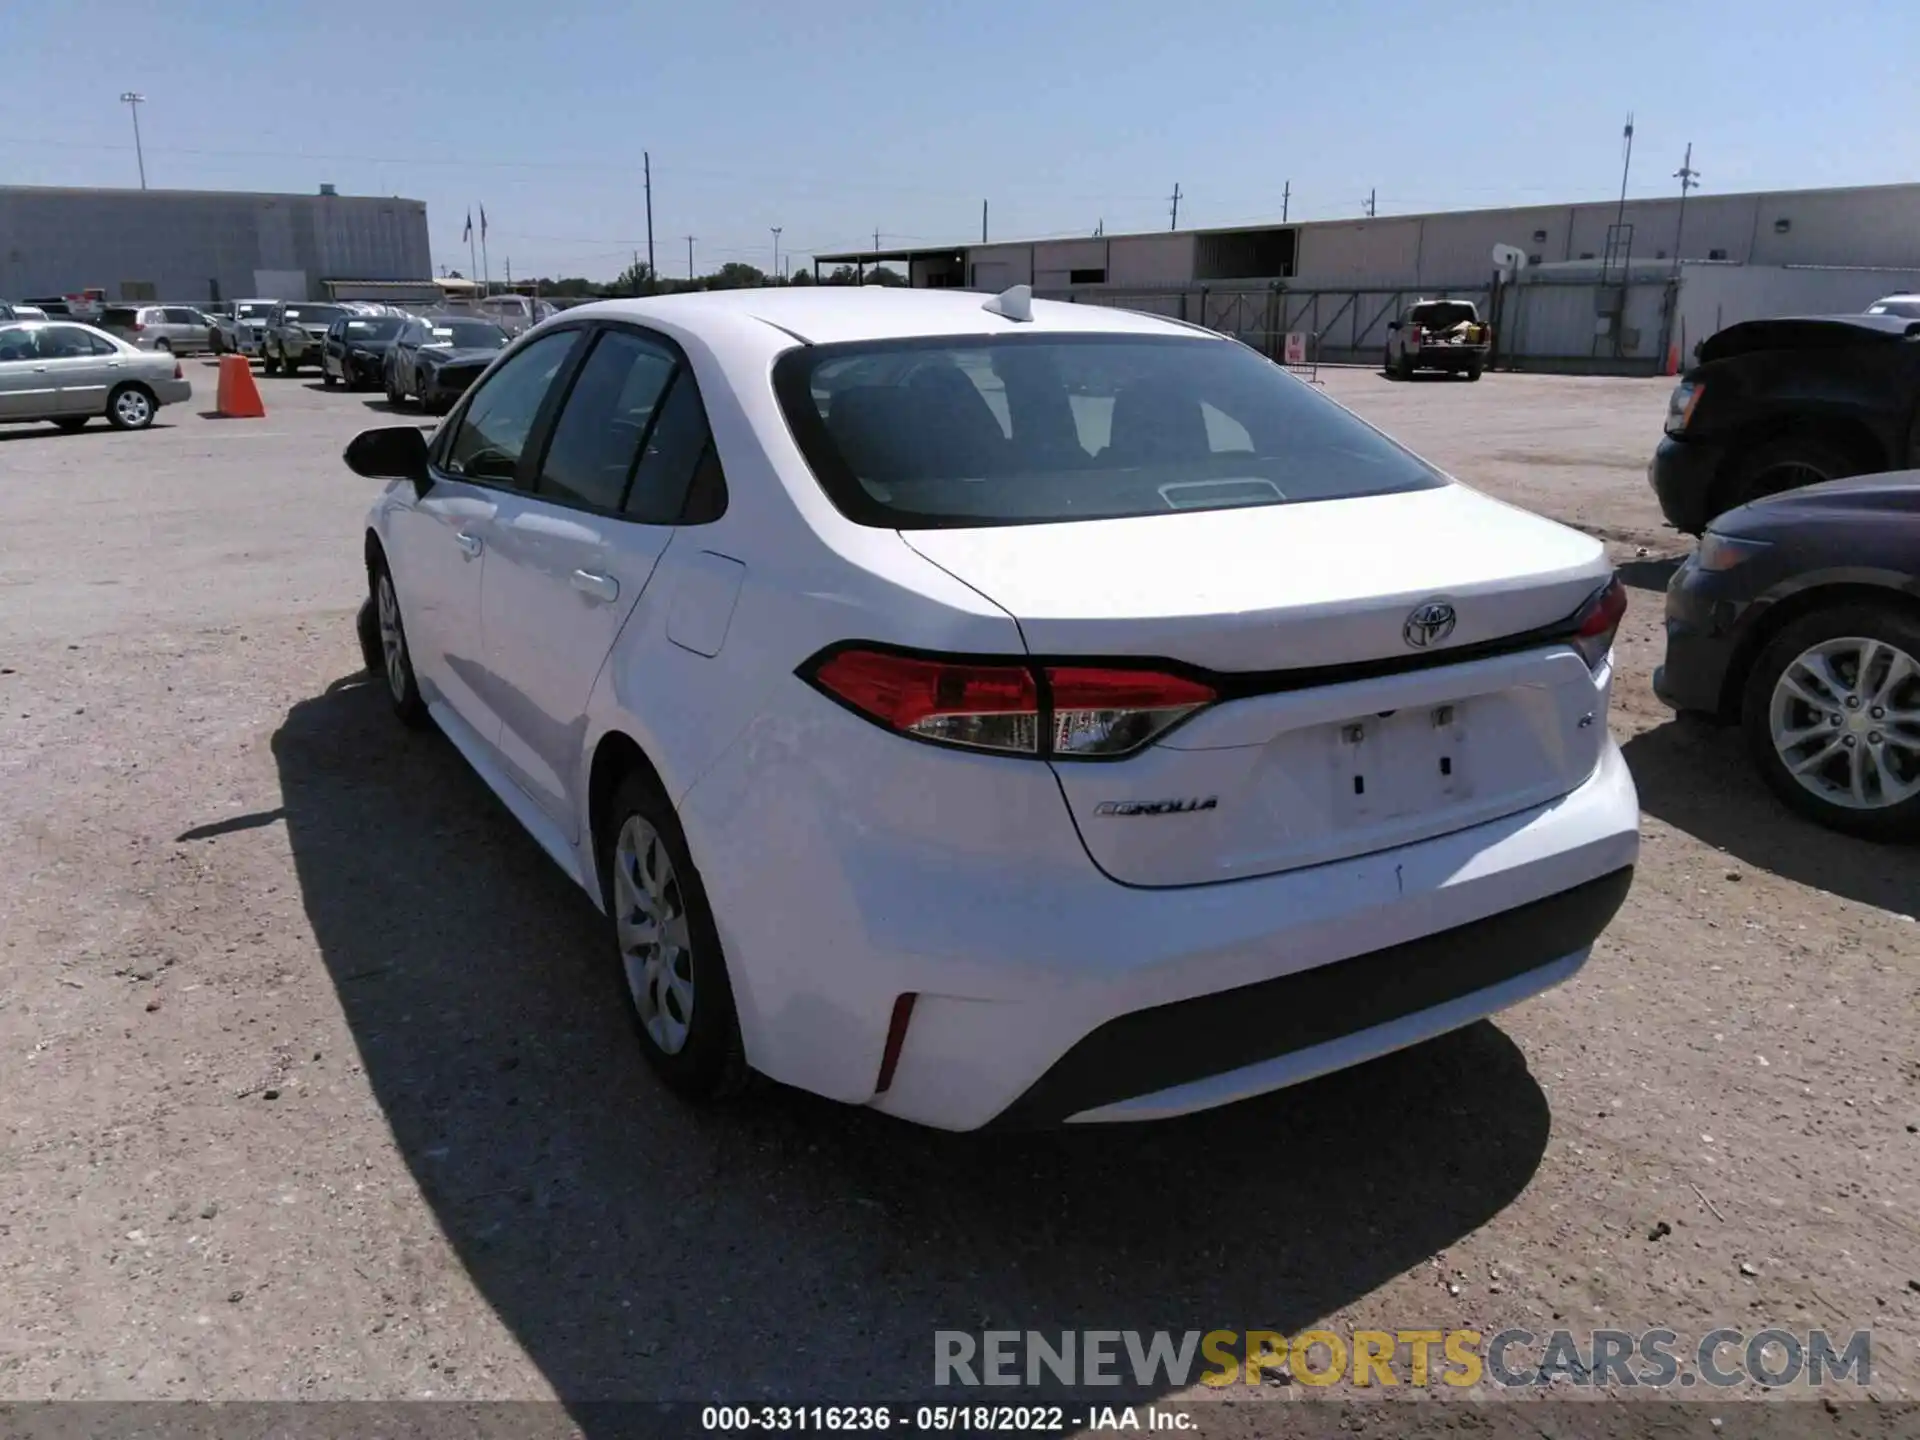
column 486, row 272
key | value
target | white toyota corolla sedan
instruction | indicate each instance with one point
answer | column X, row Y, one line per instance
column 998, row 712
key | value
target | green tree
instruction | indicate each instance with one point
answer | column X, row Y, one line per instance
column 637, row 279
column 881, row 275
column 735, row 275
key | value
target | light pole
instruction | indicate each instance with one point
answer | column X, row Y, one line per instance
column 776, row 250
column 133, row 102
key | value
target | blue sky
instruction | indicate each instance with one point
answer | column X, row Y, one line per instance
column 832, row 121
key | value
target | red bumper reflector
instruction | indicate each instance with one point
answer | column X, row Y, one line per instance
column 896, row 1037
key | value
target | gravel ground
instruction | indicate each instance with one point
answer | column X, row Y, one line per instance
column 315, row 1085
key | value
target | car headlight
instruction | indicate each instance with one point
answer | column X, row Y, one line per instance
column 1723, row 552
column 1680, row 405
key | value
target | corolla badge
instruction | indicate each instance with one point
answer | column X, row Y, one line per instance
column 1429, row 624
column 1158, row 807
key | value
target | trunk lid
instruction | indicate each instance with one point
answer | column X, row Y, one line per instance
column 1339, row 734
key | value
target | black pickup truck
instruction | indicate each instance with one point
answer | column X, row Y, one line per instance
column 1777, row 404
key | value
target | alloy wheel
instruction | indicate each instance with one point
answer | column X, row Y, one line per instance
column 133, row 408
column 393, row 640
column 1845, row 721
column 650, row 922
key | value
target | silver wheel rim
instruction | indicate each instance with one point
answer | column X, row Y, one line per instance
column 650, row 922
column 1845, row 721
column 132, row 407
column 393, row 640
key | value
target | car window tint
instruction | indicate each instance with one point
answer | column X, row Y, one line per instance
column 607, row 412
column 16, row 343
column 674, row 451
column 100, row 345
column 1021, row 430
column 63, row 342
column 495, row 425
column 181, row 317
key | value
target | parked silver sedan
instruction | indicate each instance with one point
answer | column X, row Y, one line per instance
column 70, row 373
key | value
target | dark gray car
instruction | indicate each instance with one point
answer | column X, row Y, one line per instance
column 1798, row 618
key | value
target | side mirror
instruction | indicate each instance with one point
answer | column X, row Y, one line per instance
column 393, row 452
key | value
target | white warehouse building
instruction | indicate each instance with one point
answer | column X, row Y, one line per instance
column 1650, row 278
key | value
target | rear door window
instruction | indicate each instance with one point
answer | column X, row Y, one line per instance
column 1051, row 427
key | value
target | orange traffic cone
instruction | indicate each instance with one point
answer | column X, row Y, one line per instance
column 239, row 397
column 1673, row 359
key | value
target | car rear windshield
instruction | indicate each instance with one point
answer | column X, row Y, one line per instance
column 1443, row 314
column 119, row 315
column 1029, row 429
column 468, row 335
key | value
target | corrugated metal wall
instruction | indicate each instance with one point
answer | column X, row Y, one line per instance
column 178, row 245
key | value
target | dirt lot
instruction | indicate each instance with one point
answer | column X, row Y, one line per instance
column 314, row 1085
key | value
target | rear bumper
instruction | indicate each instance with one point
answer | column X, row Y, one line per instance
column 1682, row 474
column 1046, row 992
column 1448, row 357
column 172, row 392
column 1216, row 1048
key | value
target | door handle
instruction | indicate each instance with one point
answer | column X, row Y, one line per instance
column 603, row 588
column 468, row 543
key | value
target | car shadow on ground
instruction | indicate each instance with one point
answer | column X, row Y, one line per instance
column 1697, row 777
column 783, row 1245
column 1649, row 574
column 379, row 404
column 47, row 430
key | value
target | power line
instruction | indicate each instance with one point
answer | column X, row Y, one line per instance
column 1176, row 206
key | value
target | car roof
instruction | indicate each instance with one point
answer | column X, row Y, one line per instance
column 827, row 314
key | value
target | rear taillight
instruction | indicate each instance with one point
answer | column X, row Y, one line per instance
column 138, row 327
column 1597, row 621
column 1062, row 712
column 1414, row 335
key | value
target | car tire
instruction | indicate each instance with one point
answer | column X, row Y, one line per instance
column 1784, row 696
column 269, row 362
column 131, row 407
column 395, row 397
column 1788, row 463
column 326, row 376
column 71, row 423
column 390, row 647
column 163, row 347
column 1473, row 372
column 678, row 995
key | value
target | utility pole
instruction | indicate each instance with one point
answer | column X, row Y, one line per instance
column 1371, row 195
column 1176, row 206
column 776, row 249
column 983, row 222
column 876, row 246
column 509, row 272
column 1286, row 196
column 133, row 102
column 646, row 162
column 1689, row 179
column 689, row 257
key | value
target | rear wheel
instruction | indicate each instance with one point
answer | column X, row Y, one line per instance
column 130, row 407
column 1473, row 372
column 326, row 376
column 677, row 989
column 165, row 347
column 269, row 362
column 1831, row 712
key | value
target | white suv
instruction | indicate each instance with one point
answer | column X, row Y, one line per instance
column 1002, row 713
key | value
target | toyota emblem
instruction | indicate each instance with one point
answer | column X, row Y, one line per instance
column 1429, row 624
